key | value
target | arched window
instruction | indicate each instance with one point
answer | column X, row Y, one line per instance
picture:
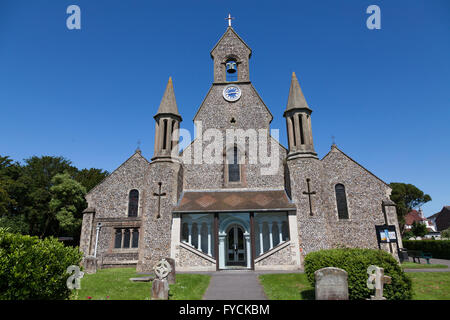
column 234, row 174
column 133, row 203
column 231, row 70
column 341, row 201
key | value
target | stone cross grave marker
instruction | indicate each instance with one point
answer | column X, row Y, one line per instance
column 331, row 284
column 171, row 276
column 160, row 286
column 377, row 280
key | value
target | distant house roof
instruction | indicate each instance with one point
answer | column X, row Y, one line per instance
column 443, row 219
column 412, row 216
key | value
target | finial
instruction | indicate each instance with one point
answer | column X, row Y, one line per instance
column 138, row 149
column 229, row 19
column 333, row 142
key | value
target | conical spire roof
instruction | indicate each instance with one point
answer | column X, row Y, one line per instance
column 296, row 99
column 168, row 102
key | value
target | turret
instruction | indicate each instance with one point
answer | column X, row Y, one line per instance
column 298, row 122
column 166, row 128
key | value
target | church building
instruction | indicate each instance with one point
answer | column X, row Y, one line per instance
column 242, row 201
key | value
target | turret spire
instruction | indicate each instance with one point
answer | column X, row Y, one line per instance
column 296, row 98
column 168, row 103
column 298, row 122
column 166, row 128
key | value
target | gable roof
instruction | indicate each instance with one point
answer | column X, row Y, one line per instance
column 334, row 147
column 137, row 153
column 230, row 29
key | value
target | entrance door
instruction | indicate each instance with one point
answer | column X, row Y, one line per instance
column 236, row 246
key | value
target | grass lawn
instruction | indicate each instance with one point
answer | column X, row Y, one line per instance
column 295, row 286
column 413, row 265
column 114, row 284
column 287, row 286
column 430, row 285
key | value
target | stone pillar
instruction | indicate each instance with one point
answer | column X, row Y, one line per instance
column 270, row 235
column 261, row 238
column 249, row 251
column 222, row 250
column 199, row 237
column 290, row 133
column 209, row 240
column 280, row 231
column 297, row 129
column 190, row 233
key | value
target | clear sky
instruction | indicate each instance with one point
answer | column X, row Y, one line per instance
column 89, row 95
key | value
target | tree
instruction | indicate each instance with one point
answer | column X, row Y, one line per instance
column 407, row 197
column 67, row 203
column 445, row 233
column 89, row 178
column 419, row 229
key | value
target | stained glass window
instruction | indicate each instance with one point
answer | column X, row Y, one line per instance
column 234, row 174
column 133, row 203
column 341, row 200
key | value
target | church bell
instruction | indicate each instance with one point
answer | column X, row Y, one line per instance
column 231, row 67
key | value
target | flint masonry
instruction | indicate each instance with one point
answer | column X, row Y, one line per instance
column 215, row 216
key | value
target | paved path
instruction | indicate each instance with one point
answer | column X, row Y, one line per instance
column 432, row 261
column 234, row 285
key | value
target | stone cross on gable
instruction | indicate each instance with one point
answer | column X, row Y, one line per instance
column 309, row 193
column 159, row 195
column 377, row 280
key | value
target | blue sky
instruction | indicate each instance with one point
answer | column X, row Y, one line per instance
column 89, row 95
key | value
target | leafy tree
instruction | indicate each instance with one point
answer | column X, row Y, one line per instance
column 445, row 233
column 89, row 178
column 67, row 203
column 419, row 229
column 406, row 198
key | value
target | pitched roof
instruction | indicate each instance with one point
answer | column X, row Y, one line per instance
column 230, row 29
column 168, row 103
column 234, row 201
column 413, row 216
column 296, row 98
column 335, row 148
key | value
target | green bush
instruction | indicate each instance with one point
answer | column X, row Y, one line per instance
column 439, row 249
column 31, row 268
column 356, row 262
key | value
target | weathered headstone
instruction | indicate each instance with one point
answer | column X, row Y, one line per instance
column 90, row 264
column 377, row 280
column 160, row 286
column 171, row 278
column 331, row 284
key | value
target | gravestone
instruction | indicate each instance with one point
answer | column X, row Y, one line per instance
column 90, row 264
column 160, row 286
column 171, row 278
column 331, row 284
column 376, row 281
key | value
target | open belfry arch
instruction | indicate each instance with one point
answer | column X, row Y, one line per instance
column 218, row 216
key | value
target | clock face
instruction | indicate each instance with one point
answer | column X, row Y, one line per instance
column 232, row 92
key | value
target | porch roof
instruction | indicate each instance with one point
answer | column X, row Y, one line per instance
column 234, row 201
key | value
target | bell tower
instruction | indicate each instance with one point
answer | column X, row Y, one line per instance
column 298, row 123
column 166, row 128
column 231, row 55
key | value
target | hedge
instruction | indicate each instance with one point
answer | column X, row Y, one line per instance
column 356, row 262
column 31, row 268
column 439, row 249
